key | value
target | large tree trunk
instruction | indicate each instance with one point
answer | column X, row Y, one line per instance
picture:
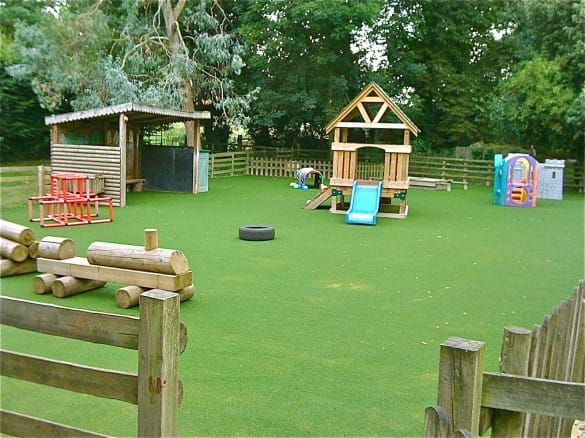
column 176, row 48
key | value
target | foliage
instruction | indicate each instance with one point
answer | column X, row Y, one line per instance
column 97, row 53
column 300, row 57
column 447, row 56
column 542, row 102
column 23, row 134
column 534, row 104
column 464, row 71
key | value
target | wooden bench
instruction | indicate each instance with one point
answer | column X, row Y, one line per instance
column 157, row 335
column 429, row 183
column 464, row 182
column 135, row 184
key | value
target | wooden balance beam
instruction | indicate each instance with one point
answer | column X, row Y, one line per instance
column 81, row 268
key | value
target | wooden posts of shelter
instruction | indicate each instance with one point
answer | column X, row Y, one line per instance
column 539, row 391
column 157, row 335
column 372, row 110
column 17, row 249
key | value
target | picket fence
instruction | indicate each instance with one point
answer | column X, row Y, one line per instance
column 18, row 183
column 539, row 391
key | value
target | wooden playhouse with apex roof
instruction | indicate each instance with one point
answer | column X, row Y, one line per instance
column 372, row 110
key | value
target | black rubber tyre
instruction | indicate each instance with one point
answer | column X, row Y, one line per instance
column 256, row 232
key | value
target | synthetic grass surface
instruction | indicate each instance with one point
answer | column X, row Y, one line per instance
column 330, row 329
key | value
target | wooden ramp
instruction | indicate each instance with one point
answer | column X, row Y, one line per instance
column 319, row 199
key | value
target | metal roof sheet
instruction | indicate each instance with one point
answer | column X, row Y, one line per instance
column 138, row 113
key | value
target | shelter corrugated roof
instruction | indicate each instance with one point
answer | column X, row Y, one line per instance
column 137, row 113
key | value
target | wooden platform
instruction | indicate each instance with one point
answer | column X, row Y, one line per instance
column 380, row 213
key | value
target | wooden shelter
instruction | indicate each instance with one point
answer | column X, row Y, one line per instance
column 106, row 142
column 371, row 110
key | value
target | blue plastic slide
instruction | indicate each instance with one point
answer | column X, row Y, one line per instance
column 365, row 202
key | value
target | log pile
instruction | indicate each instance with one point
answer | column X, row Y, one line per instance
column 18, row 249
column 58, row 249
column 142, row 268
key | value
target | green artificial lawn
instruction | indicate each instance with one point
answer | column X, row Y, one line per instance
column 330, row 329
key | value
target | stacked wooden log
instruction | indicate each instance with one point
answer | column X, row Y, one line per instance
column 60, row 248
column 18, row 249
column 142, row 268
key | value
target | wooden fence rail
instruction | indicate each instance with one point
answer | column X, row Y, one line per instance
column 539, row 391
column 228, row 164
column 18, row 183
column 456, row 169
column 157, row 335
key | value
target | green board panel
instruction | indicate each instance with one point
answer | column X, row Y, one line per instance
column 168, row 169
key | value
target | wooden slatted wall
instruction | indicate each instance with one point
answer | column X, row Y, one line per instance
column 91, row 160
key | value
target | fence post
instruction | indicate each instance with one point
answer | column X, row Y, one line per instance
column 158, row 364
column 436, row 423
column 40, row 180
column 514, row 360
column 460, row 383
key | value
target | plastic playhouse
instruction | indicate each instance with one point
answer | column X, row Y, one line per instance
column 305, row 173
column 515, row 180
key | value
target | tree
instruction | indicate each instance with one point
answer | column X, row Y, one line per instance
column 92, row 53
column 23, row 134
column 300, row 59
column 446, row 56
column 535, row 104
column 542, row 101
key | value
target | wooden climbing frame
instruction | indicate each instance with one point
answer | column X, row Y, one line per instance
column 69, row 202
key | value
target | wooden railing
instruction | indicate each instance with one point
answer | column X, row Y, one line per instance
column 455, row 169
column 539, row 391
column 157, row 335
column 263, row 166
column 228, row 164
column 18, row 183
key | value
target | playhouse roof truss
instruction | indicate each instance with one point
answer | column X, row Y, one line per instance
column 372, row 105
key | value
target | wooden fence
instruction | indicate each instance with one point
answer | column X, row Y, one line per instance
column 264, row 166
column 18, row 183
column 539, row 391
column 228, row 164
column 157, row 335
column 455, row 169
